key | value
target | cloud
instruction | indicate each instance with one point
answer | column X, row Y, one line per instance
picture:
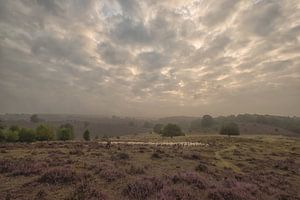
column 150, row 58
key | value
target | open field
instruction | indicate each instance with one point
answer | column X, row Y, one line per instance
column 229, row 168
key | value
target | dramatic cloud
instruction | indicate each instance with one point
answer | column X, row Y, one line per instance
column 150, row 58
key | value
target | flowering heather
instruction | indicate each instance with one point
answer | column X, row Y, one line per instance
column 143, row 188
column 191, row 178
column 59, row 176
column 111, row 174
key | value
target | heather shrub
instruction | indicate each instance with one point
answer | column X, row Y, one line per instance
column 190, row 178
column 44, row 133
column 76, row 151
column 6, row 166
column 111, row 174
column 85, row 191
column 143, row 188
column 28, row 168
column 59, row 176
column 176, row 193
column 201, row 167
column 27, row 135
column 133, row 170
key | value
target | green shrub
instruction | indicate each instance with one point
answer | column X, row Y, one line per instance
column 11, row 136
column 171, row 130
column 70, row 127
column 14, row 128
column 44, row 133
column 230, row 129
column 27, row 135
column 86, row 135
column 64, row 134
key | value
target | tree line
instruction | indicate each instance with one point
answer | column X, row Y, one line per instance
column 42, row 132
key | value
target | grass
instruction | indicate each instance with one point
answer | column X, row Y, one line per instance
column 249, row 167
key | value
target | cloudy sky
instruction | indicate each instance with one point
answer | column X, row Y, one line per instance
column 151, row 57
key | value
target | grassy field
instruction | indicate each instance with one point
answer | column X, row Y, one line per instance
column 229, row 168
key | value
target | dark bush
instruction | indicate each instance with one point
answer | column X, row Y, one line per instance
column 27, row 135
column 201, row 167
column 133, row 170
column 120, row 156
column 86, row 135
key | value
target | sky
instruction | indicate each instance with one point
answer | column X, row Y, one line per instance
column 150, row 57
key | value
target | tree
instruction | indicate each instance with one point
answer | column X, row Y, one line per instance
column 64, row 134
column 44, row 133
column 70, row 127
column 11, row 136
column 171, row 130
column 230, row 128
column 86, row 135
column 158, row 128
column 34, row 118
column 207, row 121
column 27, row 135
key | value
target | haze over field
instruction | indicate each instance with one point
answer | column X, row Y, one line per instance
column 150, row 58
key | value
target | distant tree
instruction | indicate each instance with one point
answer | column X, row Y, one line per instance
column 207, row 121
column 131, row 123
column 27, row 135
column 196, row 125
column 14, row 128
column 230, row 128
column 64, row 134
column 34, row 118
column 70, row 127
column 171, row 130
column 86, row 135
column 44, row 133
column 147, row 125
column 11, row 136
column 158, row 128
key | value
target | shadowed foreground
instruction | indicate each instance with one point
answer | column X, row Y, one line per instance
column 226, row 168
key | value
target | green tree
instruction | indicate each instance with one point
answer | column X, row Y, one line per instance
column 70, row 128
column 207, row 121
column 230, row 128
column 44, row 133
column 64, row 134
column 27, row 135
column 11, row 136
column 158, row 128
column 171, row 130
column 86, row 135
